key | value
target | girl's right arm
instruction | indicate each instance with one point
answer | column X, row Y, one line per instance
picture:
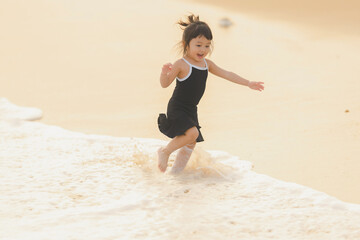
column 169, row 72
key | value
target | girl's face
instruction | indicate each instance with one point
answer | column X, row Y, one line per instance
column 198, row 48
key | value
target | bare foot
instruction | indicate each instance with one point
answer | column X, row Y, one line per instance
column 163, row 158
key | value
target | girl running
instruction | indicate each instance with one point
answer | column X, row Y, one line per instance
column 181, row 123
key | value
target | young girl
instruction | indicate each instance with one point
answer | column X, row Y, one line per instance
column 181, row 123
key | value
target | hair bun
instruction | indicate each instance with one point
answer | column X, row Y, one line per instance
column 190, row 19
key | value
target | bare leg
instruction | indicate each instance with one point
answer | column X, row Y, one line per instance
column 177, row 142
column 163, row 158
column 182, row 158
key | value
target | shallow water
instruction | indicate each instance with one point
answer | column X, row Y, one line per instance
column 58, row 184
column 93, row 67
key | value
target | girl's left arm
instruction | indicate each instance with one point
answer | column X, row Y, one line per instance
column 233, row 77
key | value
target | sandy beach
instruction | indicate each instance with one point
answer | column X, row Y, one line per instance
column 70, row 185
column 93, row 70
column 320, row 17
column 307, row 53
column 93, row 67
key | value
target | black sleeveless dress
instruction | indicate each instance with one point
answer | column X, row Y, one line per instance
column 182, row 106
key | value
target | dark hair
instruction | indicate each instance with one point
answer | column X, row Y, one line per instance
column 193, row 28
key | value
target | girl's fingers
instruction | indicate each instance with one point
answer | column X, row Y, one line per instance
column 167, row 66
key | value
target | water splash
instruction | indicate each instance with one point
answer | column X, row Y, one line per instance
column 72, row 185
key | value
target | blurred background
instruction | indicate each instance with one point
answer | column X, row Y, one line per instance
column 93, row 67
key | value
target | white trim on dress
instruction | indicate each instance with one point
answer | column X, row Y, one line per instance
column 183, row 79
column 191, row 66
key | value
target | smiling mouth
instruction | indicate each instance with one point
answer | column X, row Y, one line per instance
column 200, row 55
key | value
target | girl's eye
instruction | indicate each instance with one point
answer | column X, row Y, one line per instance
column 207, row 46
column 198, row 45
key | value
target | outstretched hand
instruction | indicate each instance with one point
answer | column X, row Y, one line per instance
column 256, row 86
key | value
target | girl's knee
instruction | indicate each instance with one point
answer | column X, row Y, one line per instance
column 191, row 145
column 193, row 134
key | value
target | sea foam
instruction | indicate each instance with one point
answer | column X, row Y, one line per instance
column 9, row 110
column 58, row 184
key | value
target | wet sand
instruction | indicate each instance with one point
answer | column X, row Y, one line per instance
column 307, row 55
column 318, row 17
column 94, row 68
